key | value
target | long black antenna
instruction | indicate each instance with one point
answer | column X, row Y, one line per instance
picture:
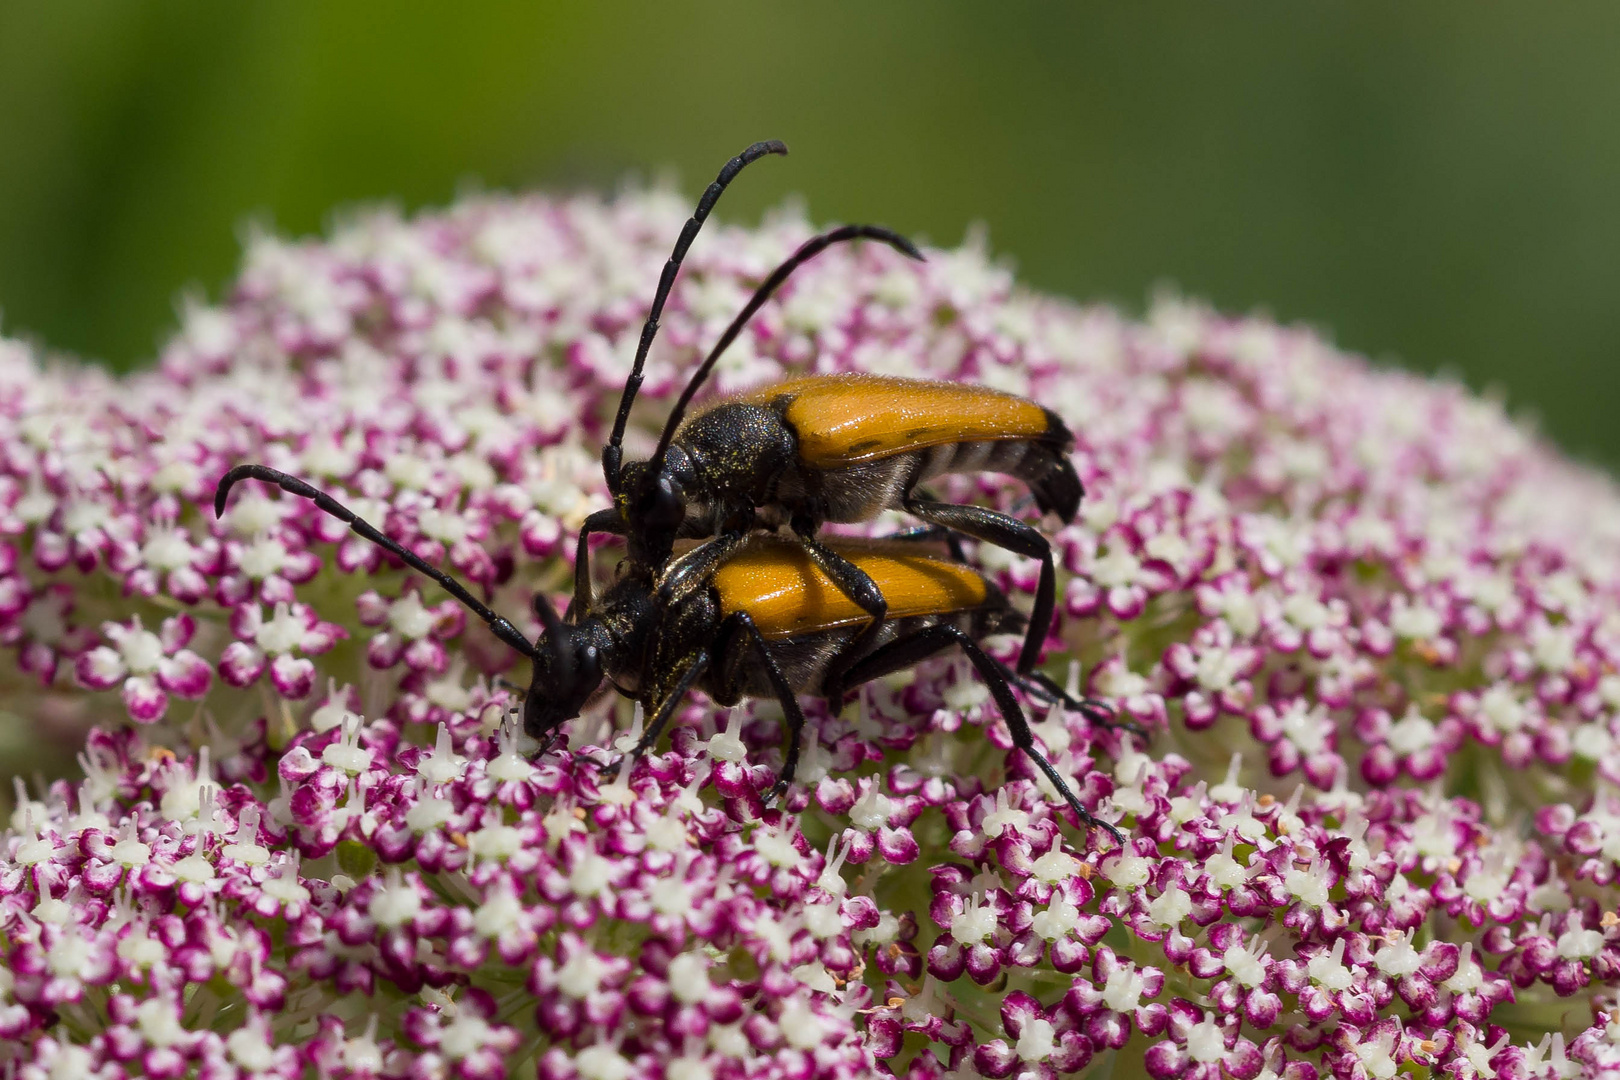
column 497, row 625
column 807, row 251
column 613, row 452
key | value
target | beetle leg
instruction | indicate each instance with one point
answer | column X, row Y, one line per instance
column 669, row 699
column 856, row 584
column 603, row 521
column 939, row 534
column 932, row 534
column 499, row 626
column 741, row 625
column 996, row 528
column 904, row 652
column 697, row 568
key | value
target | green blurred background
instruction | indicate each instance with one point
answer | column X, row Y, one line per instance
column 1433, row 184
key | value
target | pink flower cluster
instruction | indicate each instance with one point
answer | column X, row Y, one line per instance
column 1371, row 627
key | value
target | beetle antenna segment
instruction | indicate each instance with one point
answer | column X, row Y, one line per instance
column 325, row 503
column 807, row 251
column 612, row 453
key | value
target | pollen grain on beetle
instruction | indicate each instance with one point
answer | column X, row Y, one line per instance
column 1370, row 625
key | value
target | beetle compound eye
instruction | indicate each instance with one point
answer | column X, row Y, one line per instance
column 588, row 665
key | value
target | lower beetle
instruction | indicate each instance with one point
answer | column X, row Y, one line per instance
column 766, row 623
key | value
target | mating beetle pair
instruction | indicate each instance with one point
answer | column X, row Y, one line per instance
column 764, row 606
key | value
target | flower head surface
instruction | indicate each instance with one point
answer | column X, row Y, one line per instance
column 1371, row 628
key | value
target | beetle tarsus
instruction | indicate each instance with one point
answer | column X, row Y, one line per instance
column 1100, row 713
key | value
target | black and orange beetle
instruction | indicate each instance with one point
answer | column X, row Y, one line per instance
column 829, row 448
column 767, row 623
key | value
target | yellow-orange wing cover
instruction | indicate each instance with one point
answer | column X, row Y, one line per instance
column 786, row 595
column 845, row 419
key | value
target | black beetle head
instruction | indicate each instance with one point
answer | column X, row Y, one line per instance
column 567, row 671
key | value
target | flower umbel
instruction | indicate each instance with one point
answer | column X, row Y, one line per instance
column 1369, row 625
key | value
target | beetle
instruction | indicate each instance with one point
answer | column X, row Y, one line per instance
column 767, row 623
column 829, row 448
